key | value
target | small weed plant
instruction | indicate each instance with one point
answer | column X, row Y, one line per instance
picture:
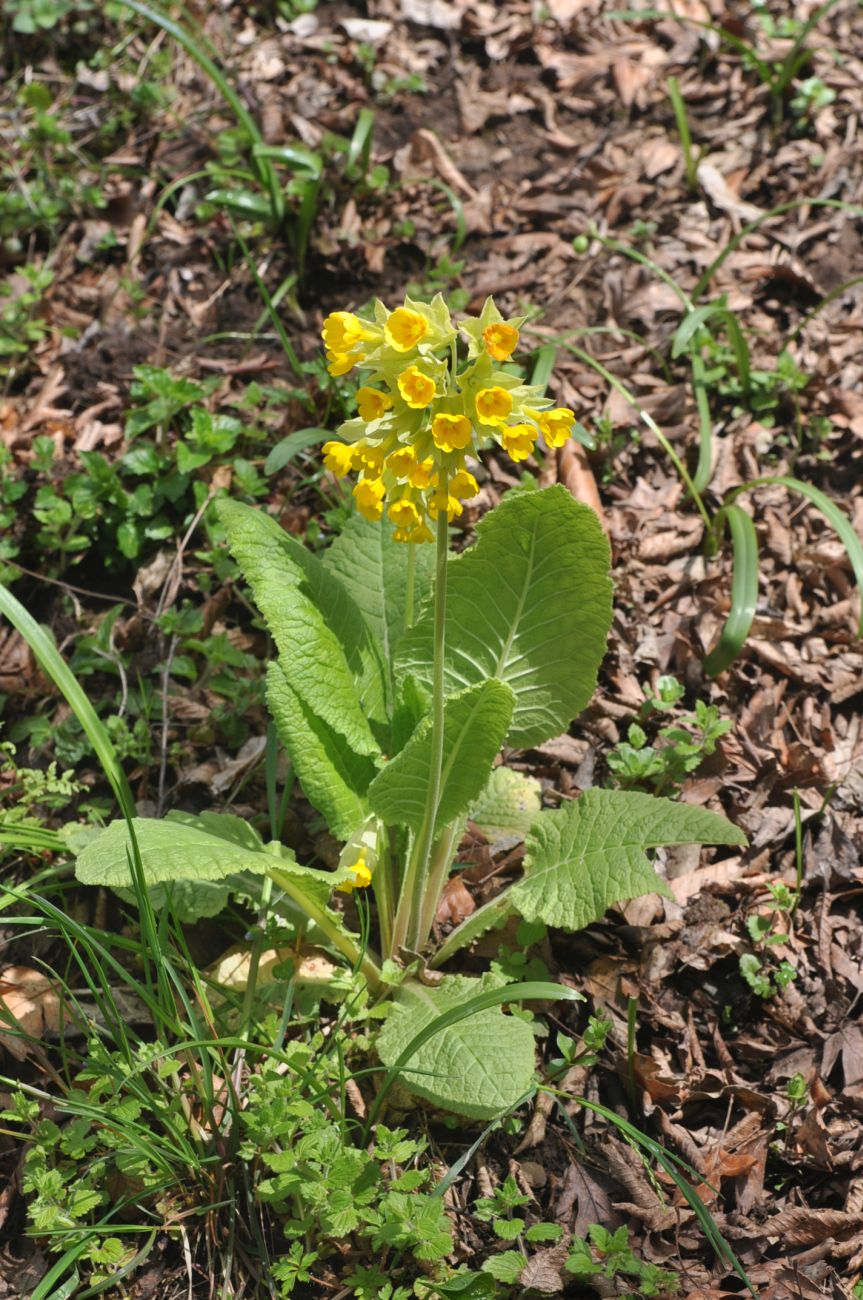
column 679, row 749
column 766, row 929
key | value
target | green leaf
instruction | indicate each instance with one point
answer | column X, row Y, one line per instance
column 478, row 1067
column 244, row 202
column 475, row 724
column 583, row 858
column 189, row 900
column 185, row 846
column 530, row 604
column 334, row 778
column 326, row 652
column 285, row 451
column 373, row 568
column 44, row 648
column 744, row 589
column 505, row 1267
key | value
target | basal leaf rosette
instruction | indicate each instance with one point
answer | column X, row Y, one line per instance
column 423, row 414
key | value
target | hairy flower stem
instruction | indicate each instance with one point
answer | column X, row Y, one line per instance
column 339, row 938
column 439, row 868
column 409, row 586
column 407, row 932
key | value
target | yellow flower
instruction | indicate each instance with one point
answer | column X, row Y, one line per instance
column 463, row 485
column 338, row 457
column 557, row 425
column 343, row 331
column 369, row 496
column 518, row 441
column 362, row 877
column 339, row 363
column 422, row 534
column 402, row 462
column 500, row 340
column 493, row 405
column 405, row 329
column 416, row 387
column 423, row 474
column 443, row 501
column 368, row 458
column 372, row 404
column 451, row 432
column 404, row 515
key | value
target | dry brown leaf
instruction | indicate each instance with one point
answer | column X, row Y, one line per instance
column 802, row 1227
column 718, row 190
column 31, row 1002
column 576, row 475
column 456, row 903
column 544, row 1270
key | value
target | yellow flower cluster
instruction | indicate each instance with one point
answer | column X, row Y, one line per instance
column 421, row 413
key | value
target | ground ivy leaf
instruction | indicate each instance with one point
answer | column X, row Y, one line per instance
column 589, row 855
column 530, row 604
column 475, row 724
column 478, row 1067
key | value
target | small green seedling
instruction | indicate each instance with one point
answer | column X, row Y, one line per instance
column 680, row 747
column 609, row 1256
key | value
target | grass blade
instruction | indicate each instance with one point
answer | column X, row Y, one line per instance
column 33, row 839
column 458, row 211
column 831, row 512
column 733, row 243
column 263, row 168
column 685, row 339
column 53, row 663
column 287, row 346
column 744, row 588
column 543, row 365
column 360, row 147
column 797, row 56
column 682, row 122
column 672, row 1166
column 647, row 419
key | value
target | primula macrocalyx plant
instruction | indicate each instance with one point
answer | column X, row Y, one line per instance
column 424, row 415
column 404, row 679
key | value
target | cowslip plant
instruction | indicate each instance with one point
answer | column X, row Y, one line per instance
column 402, row 672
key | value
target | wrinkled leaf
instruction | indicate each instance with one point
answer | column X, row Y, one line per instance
column 326, row 652
column 583, row 858
column 478, row 1067
column 334, row 778
column 530, row 604
column 189, row 847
